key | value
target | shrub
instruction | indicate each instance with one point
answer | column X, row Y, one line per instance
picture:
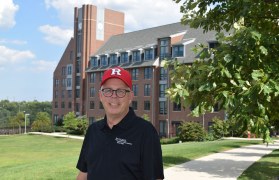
column 191, row 131
column 172, row 140
column 219, row 128
column 75, row 125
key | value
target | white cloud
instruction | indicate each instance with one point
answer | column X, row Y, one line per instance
column 139, row 14
column 56, row 35
column 7, row 13
column 42, row 65
column 12, row 41
column 10, row 56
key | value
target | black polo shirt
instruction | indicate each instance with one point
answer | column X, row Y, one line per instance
column 130, row 150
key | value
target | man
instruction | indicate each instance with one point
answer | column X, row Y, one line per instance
column 122, row 146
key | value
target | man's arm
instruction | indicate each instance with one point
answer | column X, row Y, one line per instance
column 82, row 176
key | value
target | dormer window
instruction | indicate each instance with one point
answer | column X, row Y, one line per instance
column 213, row 44
column 94, row 62
column 178, row 51
column 136, row 56
column 104, row 60
column 148, row 54
column 124, row 57
column 113, row 59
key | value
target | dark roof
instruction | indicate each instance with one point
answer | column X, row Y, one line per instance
column 148, row 37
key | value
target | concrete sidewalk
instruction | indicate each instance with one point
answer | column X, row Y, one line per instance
column 57, row 134
column 226, row 165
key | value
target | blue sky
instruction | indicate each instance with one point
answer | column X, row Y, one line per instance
column 35, row 33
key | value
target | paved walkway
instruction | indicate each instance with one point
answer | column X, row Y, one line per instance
column 227, row 165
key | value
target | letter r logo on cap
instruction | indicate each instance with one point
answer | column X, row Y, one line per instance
column 115, row 71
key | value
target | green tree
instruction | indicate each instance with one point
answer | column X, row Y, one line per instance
column 191, row 131
column 17, row 120
column 242, row 73
column 75, row 125
column 42, row 123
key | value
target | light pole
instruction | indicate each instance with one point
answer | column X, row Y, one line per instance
column 25, row 122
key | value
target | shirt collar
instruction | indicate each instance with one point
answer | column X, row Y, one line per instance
column 125, row 123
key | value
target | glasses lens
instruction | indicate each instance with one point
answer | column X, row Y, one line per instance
column 107, row 92
column 120, row 92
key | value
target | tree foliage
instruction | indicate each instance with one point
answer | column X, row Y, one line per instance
column 242, row 73
column 75, row 125
column 9, row 110
column 42, row 123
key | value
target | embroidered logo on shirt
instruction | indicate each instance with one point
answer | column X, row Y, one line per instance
column 122, row 141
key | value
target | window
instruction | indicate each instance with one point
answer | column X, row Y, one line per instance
column 135, row 74
column 92, row 78
column 162, row 90
column 162, row 130
column 77, row 93
column 92, row 92
column 69, row 82
column 147, row 73
column 147, row 105
column 92, row 105
column 176, row 107
column 163, row 74
column 101, row 75
column 69, row 70
column 56, row 94
column 164, row 48
column 147, row 89
column 124, row 57
column 178, row 51
column 135, row 89
column 77, row 107
column 69, row 105
column 136, row 56
column 69, row 93
column 63, row 70
column 63, row 82
column 104, row 60
column 135, row 105
column 79, row 43
column 56, row 82
column 192, row 106
column 94, row 62
column 113, row 59
column 163, row 107
column 56, row 105
column 77, row 80
column 78, row 66
column 63, row 105
column 148, row 54
column 62, row 94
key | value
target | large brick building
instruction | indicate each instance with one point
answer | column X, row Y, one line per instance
column 99, row 43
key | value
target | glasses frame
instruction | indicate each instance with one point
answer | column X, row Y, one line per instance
column 115, row 91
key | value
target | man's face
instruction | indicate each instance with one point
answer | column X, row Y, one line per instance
column 115, row 106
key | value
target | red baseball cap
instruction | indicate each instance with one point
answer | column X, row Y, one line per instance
column 120, row 73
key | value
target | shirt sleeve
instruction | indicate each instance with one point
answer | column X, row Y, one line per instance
column 82, row 163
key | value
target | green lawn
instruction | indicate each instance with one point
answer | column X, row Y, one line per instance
column 38, row 157
column 266, row 168
column 42, row 157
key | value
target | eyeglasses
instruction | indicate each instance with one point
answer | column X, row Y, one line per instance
column 107, row 92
